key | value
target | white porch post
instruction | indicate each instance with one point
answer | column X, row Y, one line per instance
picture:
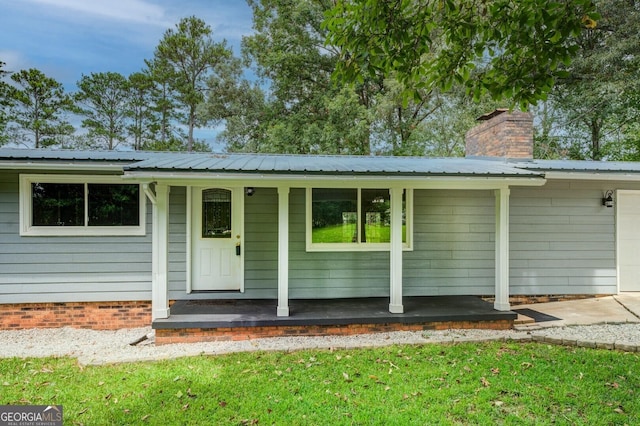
column 159, row 269
column 395, row 254
column 502, row 250
column 283, row 252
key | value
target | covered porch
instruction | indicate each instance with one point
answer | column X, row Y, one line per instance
column 314, row 289
column 240, row 319
column 396, row 301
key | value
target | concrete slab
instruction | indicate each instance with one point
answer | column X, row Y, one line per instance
column 631, row 301
column 610, row 309
column 523, row 319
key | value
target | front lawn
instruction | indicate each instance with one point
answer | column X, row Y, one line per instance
column 494, row 383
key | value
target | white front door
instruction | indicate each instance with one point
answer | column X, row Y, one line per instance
column 216, row 251
column 628, row 239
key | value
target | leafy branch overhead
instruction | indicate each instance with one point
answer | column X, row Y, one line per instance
column 510, row 49
column 362, row 77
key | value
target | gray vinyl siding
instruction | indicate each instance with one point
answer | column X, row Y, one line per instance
column 454, row 244
column 260, row 248
column 261, row 244
column 562, row 239
column 311, row 275
column 331, row 274
column 453, row 250
column 177, row 242
column 68, row 269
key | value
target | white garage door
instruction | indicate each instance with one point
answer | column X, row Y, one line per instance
column 628, row 239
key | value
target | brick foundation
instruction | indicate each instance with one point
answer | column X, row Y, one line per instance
column 193, row 335
column 94, row 315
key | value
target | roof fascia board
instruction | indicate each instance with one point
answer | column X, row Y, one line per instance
column 60, row 166
column 594, row 176
column 306, row 181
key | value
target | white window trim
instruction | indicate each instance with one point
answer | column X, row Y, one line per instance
column 359, row 246
column 26, row 229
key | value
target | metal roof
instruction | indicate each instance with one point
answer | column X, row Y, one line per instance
column 327, row 165
column 582, row 166
column 12, row 154
column 140, row 161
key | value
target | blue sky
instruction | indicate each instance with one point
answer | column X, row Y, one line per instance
column 68, row 38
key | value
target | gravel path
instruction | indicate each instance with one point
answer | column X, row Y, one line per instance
column 100, row 347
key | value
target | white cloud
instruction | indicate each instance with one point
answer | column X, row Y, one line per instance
column 138, row 11
column 14, row 60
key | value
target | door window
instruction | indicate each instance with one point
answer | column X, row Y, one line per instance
column 216, row 213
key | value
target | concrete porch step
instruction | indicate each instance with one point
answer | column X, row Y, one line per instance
column 523, row 319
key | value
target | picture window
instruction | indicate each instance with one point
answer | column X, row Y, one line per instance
column 71, row 205
column 352, row 219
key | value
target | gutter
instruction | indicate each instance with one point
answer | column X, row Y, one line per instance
column 60, row 166
column 306, row 180
column 611, row 176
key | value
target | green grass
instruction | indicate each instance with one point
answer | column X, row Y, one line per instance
column 346, row 233
column 334, row 234
column 494, row 383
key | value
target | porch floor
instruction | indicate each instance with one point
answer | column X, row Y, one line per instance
column 230, row 313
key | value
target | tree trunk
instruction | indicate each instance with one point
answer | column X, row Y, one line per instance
column 192, row 119
column 36, row 125
column 595, row 140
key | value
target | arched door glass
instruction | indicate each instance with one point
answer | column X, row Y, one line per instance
column 216, row 213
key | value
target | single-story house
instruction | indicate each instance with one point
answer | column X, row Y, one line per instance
column 110, row 239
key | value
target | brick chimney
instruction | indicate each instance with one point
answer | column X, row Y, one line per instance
column 502, row 134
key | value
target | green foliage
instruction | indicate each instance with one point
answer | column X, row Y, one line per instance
column 236, row 102
column 176, row 145
column 305, row 111
column 494, row 383
column 443, row 133
column 245, row 121
column 145, row 110
column 103, row 99
column 288, row 47
column 398, row 125
column 595, row 105
column 37, row 107
column 140, row 109
column 508, row 49
column 189, row 57
column 5, row 103
column 628, row 148
column 409, row 78
column 165, row 114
